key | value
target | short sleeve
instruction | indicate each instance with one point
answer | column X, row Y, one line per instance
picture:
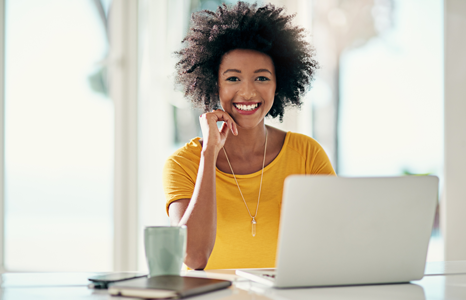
column 313, row 157
column 178, row 180
column 319, row 161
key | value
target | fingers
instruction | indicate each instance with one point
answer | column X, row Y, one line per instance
column 232, row 125
column 224, row 129
column 228, row 120
column 221, row 116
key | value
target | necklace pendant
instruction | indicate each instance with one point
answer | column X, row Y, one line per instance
column 253, row 222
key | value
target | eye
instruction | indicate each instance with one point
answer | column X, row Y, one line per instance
column 262, row 78
column 232, row 78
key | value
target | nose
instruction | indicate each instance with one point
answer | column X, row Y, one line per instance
column 247, row 91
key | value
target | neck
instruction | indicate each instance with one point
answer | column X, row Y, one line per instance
column 248, row 141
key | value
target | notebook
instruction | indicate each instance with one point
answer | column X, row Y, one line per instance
column 351, row 231
column 166, row 287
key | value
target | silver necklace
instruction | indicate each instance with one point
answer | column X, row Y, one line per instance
column 253, row 218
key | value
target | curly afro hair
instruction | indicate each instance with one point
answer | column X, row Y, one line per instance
column 245, row 26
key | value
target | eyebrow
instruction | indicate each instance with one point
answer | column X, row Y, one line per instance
column 238, row 71
column 232, row 70
column 262, row 70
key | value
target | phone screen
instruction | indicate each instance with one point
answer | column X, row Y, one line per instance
column 102, row 281
column 111, row 277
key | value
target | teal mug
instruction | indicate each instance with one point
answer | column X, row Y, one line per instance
column 165, row 249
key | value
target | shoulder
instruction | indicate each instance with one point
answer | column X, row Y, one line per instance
column 191, row 149
column 186, row 156
column 302, row 143
column 317, row 161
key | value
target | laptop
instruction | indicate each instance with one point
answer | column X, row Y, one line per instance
column 351, row 231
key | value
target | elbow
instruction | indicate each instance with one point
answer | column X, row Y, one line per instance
column 196, row 262
column 199, row 247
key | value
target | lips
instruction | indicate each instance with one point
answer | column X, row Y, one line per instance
column 246, row 108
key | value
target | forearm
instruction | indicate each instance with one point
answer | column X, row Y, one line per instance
column 200, row 216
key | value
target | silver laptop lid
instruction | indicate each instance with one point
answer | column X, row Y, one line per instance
column 338, row 231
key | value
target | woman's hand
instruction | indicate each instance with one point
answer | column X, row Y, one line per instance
column 213, row 138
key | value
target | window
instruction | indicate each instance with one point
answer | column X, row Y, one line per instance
column 378, row 100
column 58, row 138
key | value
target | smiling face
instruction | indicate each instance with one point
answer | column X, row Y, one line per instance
column 246, row 86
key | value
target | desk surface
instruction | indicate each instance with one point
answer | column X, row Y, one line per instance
column 74, row 286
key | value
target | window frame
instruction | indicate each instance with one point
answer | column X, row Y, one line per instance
column 2, row 136
column 123, row 90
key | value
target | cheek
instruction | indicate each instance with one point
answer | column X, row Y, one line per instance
column 226, row 93
column 268, row 94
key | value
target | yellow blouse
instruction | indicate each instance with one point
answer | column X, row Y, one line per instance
column 235, row 247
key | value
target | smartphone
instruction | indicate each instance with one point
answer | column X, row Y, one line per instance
column 102, row 281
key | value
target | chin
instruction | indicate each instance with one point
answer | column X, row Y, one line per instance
column 248, row 124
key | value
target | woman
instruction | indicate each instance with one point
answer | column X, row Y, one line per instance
column 227, row 187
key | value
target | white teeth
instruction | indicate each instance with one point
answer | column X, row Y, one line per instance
column 247, row 107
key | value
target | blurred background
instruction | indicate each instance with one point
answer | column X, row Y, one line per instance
column 376, row 106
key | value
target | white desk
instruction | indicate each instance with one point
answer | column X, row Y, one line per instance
column 74, row 286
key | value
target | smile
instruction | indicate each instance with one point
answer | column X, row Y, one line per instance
column 245, row 107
